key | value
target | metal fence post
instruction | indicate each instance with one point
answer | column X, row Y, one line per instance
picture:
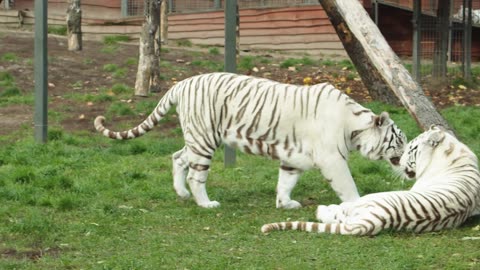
column 230, row 59
column 41, row 71
column 467, row 40
column 417, row 34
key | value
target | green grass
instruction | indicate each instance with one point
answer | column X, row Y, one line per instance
column 9, row 57
column 60, row 30
column 115, row 39
column 290, row 62
column 87, row 202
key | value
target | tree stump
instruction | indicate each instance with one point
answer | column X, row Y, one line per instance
column 148, row 73
column 74, row 25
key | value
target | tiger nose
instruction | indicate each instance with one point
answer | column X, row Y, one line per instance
column 410, row 174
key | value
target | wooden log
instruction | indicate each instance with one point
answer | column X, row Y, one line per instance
column 379, row 67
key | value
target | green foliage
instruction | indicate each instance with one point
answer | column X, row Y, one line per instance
column 10, row 91
column 119, row 109
column 327, row 63
column 9, row 57
column 346, row 64
column 60, row 30
column 246, row 63
column 120, row 88
column 214, row 51
column 290, row 62
column 115, row 39
column 208, row 64
column 88, row 202
column 110, row 67
column 131, row 61
column 184, row 43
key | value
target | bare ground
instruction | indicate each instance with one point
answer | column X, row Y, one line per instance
column 82, row 72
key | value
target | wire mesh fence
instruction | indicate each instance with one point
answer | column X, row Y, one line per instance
column 437, row 37
column 182, row 6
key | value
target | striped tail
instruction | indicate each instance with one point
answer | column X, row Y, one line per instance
column 333, row 228
column 151, row 121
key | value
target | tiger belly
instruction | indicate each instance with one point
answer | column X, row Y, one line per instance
column 272, row 149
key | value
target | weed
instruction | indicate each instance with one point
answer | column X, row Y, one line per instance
column 9, row 57
column 60, row 30
column 110, row 67
column 347, row 64
column 214, row 51
column 290, row 62
column 10, row 91
column 88, row 61
column 131, row 61
column 115, row 39
column 119, row 109
column 327, row 63
column 118, row 89
column 184, row 43
column 109, row 49
column 246, row 63
column 208, row 64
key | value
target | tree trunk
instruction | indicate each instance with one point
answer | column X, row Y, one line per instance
column 74, row 25
column 148, row 74
column 440, row 50
column 379, row 67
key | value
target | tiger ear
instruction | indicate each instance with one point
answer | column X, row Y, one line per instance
column 382, row 119
column 435, row 138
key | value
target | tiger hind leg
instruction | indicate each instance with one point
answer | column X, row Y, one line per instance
column 180, row 170
column 333, row 213
column 198, row 168
column 287, row 179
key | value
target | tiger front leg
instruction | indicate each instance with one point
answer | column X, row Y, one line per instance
column 197, row 179
column 180, row 170
column 287, row 179
column 338, row 175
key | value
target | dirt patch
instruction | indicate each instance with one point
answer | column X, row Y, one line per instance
column 83, row 72
column 33, row 255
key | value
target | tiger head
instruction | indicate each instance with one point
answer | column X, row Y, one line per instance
column 432, row 151
column 381, row 140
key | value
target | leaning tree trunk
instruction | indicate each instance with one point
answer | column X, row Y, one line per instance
column 74, row 25
column 148, row 74
column 379, row 67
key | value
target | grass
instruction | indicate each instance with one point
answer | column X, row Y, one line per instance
column 83, row 201
column 304, row 61
column 60, row 30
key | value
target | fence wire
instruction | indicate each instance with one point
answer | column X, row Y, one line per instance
column 431, row 31
column 182, row 6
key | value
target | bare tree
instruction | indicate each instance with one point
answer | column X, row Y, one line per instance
column 148, row 74
column 74, row 25
column 379, row 67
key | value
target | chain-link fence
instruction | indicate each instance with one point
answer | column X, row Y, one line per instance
column 181, row 6
column 440, row 37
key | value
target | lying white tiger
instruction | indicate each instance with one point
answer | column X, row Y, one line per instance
column 303, row 126
column 446, row 193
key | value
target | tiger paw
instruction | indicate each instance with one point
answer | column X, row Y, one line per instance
column 210, row 204
column 291, row 204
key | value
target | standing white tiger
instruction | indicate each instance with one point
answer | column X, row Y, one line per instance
column 303, row 126
column 446, row 193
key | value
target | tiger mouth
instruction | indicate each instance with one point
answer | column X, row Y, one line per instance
column 395, row 160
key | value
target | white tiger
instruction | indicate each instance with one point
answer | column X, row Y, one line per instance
column 446, row 193
column 303, row 126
